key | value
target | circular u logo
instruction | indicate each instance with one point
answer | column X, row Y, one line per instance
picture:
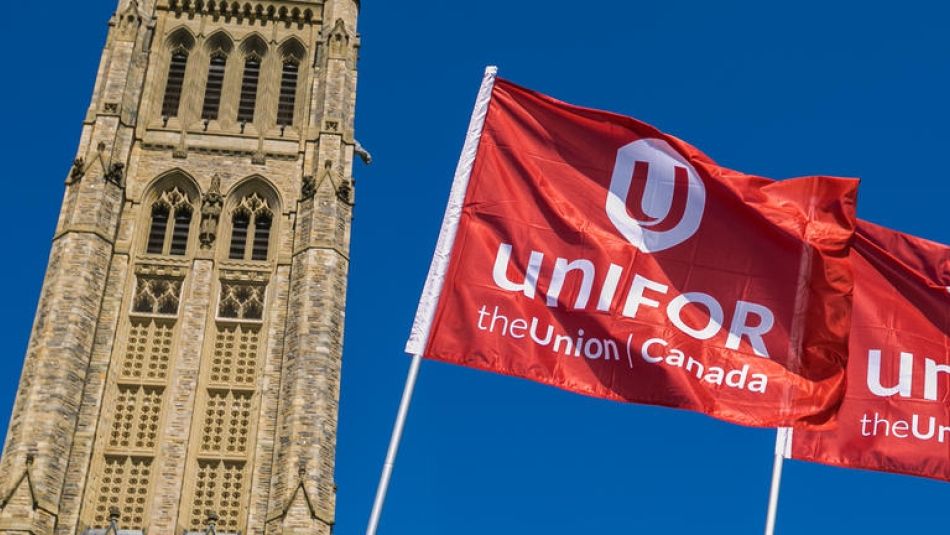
column 656, row 197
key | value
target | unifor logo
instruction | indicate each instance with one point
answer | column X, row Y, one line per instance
column 656, row 198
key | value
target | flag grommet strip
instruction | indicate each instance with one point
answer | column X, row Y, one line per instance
column 419, row 336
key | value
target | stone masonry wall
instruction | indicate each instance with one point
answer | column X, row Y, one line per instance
column 53, row 457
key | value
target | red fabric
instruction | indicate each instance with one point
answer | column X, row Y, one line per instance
column 540, row 184
column 901, row 305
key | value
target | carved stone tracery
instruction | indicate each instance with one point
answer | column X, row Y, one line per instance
column 260, row 10
column 157, row 296
column 174, row 199
column 254, row 205
column 241, row 301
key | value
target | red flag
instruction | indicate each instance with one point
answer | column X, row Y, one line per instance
column 592, row 252
column 896, row 412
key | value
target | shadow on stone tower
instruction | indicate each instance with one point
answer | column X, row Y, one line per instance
column 184, row 366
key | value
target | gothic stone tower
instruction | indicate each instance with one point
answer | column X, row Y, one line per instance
column 185, row 357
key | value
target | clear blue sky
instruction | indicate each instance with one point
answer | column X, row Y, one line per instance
column 847, row 88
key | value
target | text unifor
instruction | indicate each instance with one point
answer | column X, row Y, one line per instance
column 750, row 321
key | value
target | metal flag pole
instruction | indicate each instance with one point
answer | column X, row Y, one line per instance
column 393, row 445
column 782, row 438
column 434, row 282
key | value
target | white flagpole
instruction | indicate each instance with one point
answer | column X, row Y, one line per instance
column 393, row 445
column 419, row 336
column 782, row 441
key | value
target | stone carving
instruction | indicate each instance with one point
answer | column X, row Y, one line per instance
column 127, row 21
column 362, row 153
column 309, row 187
column 241, row 301
column 345, row 192
column 157, row 296
column 259, row 11
column 211, row 207
column 338, row 40
column 115, row 173
column 78, row 170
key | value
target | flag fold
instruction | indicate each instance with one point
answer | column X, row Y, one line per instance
column 595, row 253
column 896, row 413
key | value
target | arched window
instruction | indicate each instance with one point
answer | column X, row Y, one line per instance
column 218, row 47
column 251, row 222
column 288, row 92
column 171, row 222
column 175, row 83
column 249, row 83
column 292, row 54
column 180, row 44
column 254, row 49
column 213, row 88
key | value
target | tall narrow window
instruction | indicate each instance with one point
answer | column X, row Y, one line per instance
column 251, row 224
column 172, row 206
column 239, row 225
column 180, row 231
column 175, row 83
column 261, row 237
column 212, row 102
column 288, row 92
column 156, row 233
column 252, row 74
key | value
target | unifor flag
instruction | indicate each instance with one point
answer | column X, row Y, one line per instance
column 592, row 252
column 896, row 413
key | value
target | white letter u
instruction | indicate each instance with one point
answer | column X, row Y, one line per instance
column 905, row 381
column 500, row 273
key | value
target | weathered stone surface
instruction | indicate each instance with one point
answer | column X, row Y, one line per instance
column 213, row 385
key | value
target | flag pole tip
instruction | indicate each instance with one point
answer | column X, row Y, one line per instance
column 491, row 69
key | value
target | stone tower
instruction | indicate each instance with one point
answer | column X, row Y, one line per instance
column 185, row 357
